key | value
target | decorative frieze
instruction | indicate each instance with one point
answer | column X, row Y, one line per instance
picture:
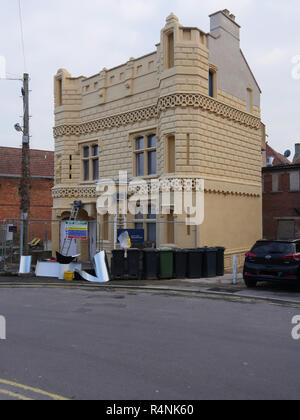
column 159, row 185
column 166, row 102
column 75, row 192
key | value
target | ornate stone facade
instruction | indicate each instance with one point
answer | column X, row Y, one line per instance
column 205, row 114
column 164, row 103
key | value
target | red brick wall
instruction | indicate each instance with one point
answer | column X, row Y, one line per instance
column 279, row 204
column 41, row 203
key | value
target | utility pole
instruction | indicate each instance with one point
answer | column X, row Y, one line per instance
column 25, row 184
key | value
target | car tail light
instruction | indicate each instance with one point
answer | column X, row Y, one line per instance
column 250, row 255
column 295, row 257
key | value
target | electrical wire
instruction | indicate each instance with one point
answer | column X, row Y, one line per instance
column 22, row 35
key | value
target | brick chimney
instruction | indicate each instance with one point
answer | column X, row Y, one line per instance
column 224, row 22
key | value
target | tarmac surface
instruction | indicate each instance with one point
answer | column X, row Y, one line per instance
column 83, row 342
column 210, row 287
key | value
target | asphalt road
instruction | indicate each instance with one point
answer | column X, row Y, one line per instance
column 92, row 344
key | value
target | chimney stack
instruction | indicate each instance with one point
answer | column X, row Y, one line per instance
column 224, row 22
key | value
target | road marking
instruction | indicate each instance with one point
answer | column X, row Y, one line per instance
column 34, row 390
column 14, row 395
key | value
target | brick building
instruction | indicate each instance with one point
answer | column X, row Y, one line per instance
column 188, row 110
column 281, row 196
column 42, row 180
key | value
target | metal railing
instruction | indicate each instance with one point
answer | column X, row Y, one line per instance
column 46, row 236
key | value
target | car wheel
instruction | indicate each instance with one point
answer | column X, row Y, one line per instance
column 251, row 283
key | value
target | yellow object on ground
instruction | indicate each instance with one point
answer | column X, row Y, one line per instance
column 69, row 275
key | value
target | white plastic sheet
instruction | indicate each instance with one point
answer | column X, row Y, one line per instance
column 100, row 268
column 54, row 269
column 125, row 240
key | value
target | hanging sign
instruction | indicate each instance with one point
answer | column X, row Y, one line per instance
column 77, row 230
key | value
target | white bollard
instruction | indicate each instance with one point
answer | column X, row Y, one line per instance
column 25, row 265
column 235, row 273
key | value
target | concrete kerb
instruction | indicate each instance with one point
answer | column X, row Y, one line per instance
column 225, row 280
column 157, row 287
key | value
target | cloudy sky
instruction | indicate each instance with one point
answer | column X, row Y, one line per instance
column 85, row 36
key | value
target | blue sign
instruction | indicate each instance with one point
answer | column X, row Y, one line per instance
column 137, row 236
column 13, row 229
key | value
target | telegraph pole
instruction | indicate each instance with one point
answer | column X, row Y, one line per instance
column 25, row 184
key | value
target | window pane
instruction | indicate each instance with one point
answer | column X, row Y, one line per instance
column 275, row 183
column 86, row 152
column 151, row 232
column 139, row 216
column 152, row 163
column 295, row 181
column 152, row 141
column 151, row 212
column 271, row 247
column 95, row 169
column 286, row 230
column 171, row 50
column 140, row 161
column 86, row 170
column 211, row 84
column 95, row 150
column 139, row 226
column 140, row 143
column 171, row 155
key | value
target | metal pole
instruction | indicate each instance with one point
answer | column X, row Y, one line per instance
column 21, row 236
column 25, row 183
column 3, row 238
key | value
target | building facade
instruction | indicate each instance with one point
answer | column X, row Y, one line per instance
column 42, row 182
column 190, row 110
column 281, row 196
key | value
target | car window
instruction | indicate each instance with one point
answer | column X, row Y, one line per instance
column 264, row 248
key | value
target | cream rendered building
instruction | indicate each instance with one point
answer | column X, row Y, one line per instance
column 189, row 110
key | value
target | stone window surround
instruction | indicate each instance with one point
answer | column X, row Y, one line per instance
column 249, row 101
column 167, row 138
column 59, row 90
column 214, row 70
column 91, row 158
column 133, row 137
column 169, row 56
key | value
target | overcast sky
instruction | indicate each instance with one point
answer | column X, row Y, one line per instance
column 85, row 36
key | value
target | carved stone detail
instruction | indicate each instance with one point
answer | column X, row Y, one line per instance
column 164, row 103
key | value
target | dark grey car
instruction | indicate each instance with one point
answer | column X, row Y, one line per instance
column 273, row 261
